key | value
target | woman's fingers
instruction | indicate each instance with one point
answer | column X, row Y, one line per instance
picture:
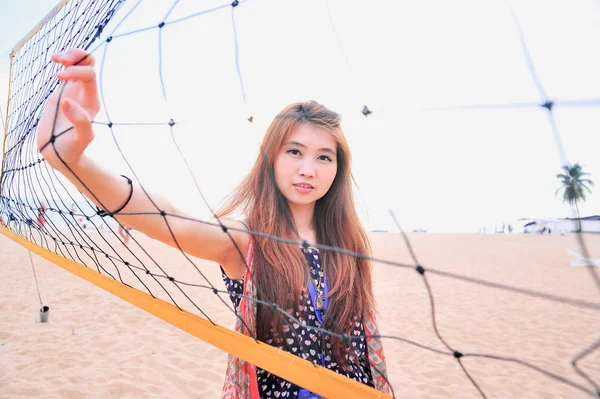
column 80, row 119
column 83, row 73
column 74, row 56
column 87, row 76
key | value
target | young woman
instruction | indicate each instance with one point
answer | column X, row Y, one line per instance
column 299, row 188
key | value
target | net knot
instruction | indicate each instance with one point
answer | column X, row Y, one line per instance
column 80, row 246
column 305, row 244
column 126, row 263
column 548, row 105
column 457, row 354
column 172, row 279
column 161, row 24
column 163, row 213
column 101, row 212
column 52, row 139
column 215, row 291
column 171, row 123
column 235, row 3
column 224, row 228
column 110, row 124
column 420, row 269
column 366, row 111
column 109, row 39
column 147, row 271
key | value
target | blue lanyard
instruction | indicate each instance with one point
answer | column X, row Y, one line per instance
column 313, row 297
column 305, row 393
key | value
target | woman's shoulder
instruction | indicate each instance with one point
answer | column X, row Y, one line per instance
column 234, row 263
column 237, row 225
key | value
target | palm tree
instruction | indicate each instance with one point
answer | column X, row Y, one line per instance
column 574, row 186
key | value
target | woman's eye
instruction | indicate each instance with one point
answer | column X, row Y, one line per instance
column 325, row 158
column 293, row 152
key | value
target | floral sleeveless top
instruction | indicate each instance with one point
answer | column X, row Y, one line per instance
column 307, row 343
column 246, row 381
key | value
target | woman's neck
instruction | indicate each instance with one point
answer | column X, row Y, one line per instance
column 303, row 216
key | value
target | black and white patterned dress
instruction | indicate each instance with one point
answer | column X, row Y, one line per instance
column 304, row 342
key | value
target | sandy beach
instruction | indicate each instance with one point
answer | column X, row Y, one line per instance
column 98, row 346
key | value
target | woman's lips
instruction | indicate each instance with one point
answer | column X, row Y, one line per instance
column 304, row 188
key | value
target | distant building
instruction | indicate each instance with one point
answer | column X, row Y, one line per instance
column 589, row 224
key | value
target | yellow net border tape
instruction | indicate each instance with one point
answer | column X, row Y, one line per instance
column 319, row 380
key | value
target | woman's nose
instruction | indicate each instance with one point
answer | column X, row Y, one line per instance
column 307, row 169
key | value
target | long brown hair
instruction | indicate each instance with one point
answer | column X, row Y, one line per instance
column 281, row 269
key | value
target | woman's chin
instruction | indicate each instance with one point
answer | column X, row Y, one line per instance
column 294, row 201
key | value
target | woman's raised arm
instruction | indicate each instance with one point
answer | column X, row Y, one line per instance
column 64, row 132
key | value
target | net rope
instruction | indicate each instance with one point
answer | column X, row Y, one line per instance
column 38, row 204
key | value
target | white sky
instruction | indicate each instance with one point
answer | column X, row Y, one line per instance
column 439, row 170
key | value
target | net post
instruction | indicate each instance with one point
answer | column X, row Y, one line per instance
column 40, row 24
column 10, row 73
column 15, row 49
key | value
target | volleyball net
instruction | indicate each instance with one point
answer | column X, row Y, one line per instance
column 42, row 211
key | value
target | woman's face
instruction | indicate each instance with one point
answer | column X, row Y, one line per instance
column 306, row 165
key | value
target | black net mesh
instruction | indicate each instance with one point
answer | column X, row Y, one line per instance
column 42, row 206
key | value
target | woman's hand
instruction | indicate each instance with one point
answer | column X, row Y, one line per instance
column 78, row 106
